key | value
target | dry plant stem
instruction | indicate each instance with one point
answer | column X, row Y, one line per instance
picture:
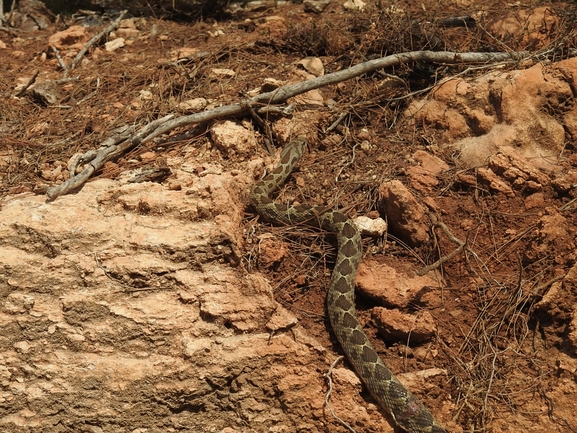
column 206, row 116
column 107, row 152
column 112, row 26
column 444, row 259
column 61, row 61
column 329, row 377
column 336, row 122
column 567, row 205
column 283, row 93
column 269, row 140
column 277, row 96
column 28, row 84
column 277, row 110
column 79, row 158
column 539, row 291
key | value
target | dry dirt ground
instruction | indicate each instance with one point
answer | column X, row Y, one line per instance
column 164, row 304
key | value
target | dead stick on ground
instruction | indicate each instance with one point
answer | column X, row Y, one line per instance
column 28, row 84
column 99, row 158
column 61, row 61
column 277, row 96
column 329, row 377
column 462, row 245
column 110, row 27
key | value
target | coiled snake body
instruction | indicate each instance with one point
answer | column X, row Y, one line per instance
column 407, row 411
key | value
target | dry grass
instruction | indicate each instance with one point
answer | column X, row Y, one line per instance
column 495, row 364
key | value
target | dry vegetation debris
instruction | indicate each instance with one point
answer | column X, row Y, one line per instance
column 506, row 311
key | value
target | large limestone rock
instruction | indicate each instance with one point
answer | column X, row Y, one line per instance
column 528, row 110
column 124, row 309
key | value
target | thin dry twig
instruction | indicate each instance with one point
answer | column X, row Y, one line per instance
column 328, row 395
column 267, row 130
column 61, row 61
column 279, row 96
column 109, row 28
column 462, row 245
column 97, row 159
column 28, row 84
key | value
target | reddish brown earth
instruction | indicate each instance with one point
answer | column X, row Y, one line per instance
column 167, row 306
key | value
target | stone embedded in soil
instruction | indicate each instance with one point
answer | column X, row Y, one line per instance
column 354, row 5
column 132, row 293
column 222, row 73
column 271, row 251
column 424, row 177
column 551, row 233
column 566, row 182
column 313, row 65
column 192, row 105
column 536, row 200
column 420, row 179
column 508, row 170
column 114, row 44
column 486, row 176
column 73, row 38
column 389, row 287
column 395, row 325
column 234, row 139
column 375, row 227
column 559, row 303
column 46, row 92
column 406, row 216
column 430, row 163
column 496, row 122
column 517, row 170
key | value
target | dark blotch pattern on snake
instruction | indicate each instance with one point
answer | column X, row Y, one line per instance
column 407, row 411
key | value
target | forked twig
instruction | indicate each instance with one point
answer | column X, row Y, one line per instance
column 110, row 27
column 96, row 159
column 31, row 81
column 328, row 395
column 278, row 96
column 462, row 245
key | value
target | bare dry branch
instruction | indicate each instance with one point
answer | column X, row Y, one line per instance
column 31, row 81
column 106, row 153
column 112, row 26
column 451, row 58
column 61, row 61
column 277, row 96
column 329, row 377
column 462, row 245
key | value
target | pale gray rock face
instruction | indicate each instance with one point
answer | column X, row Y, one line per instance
column 129, row 299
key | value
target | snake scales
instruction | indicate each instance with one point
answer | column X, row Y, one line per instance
column 407, row 411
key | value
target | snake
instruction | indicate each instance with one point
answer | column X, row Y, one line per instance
column 407, row 411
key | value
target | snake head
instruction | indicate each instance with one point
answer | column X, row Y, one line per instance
column 299, row 144
column 293, row 152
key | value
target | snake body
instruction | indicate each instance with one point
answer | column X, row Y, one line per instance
column 407, row 410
